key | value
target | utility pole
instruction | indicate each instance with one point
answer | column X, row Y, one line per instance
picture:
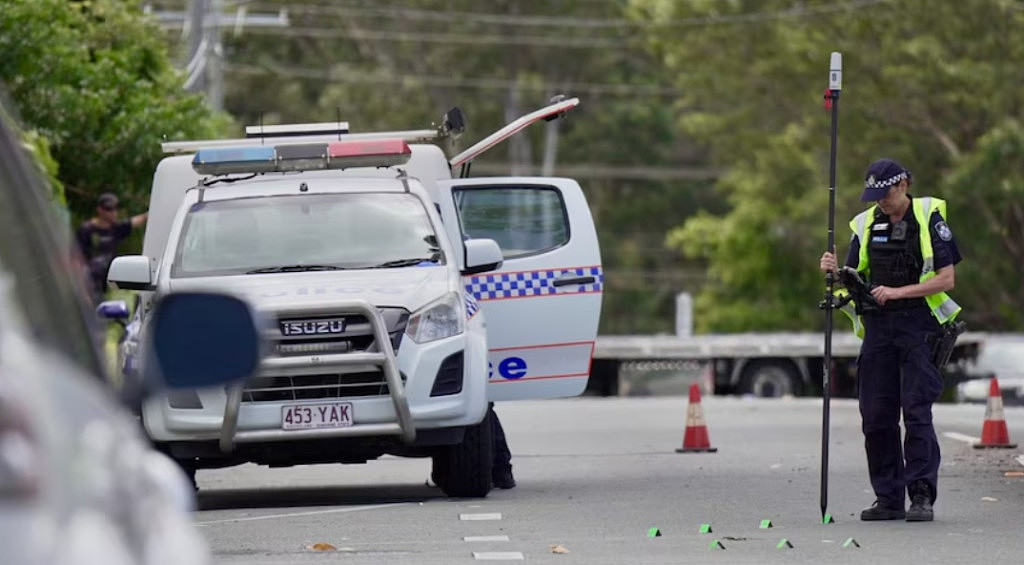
column 547, row 167
column 203, row 25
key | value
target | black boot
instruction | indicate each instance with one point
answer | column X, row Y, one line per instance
column 881, row 510
column 920, row 503
column 502, row 478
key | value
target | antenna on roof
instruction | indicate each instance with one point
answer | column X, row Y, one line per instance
column 263, row 140
column 338, row 111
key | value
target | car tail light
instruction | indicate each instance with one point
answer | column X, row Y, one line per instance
column 19, row 453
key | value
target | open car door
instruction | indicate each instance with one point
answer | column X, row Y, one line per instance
column 543, row 305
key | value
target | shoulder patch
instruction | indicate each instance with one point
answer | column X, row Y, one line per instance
column 942, row 230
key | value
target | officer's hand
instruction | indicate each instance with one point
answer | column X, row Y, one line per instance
column 884, row 294
column 828, row 263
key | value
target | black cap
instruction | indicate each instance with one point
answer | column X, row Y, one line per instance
column 108, row 201
column 882, row 175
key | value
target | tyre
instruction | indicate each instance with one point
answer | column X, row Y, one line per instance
column 770, row 379
column 464, row 470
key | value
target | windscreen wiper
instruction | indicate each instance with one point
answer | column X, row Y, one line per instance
column 293, row 269
column 411, row 262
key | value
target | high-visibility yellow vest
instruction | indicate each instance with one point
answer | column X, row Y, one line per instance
column 942, row 306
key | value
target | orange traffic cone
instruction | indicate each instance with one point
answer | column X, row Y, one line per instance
column 696, row 436
column 994, row 433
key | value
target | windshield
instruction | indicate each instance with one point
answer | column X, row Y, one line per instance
column 305, row 233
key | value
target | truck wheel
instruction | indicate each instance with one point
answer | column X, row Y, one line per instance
column 464, row 470
column 770, row 379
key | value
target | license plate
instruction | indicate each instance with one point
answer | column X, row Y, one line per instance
column 313, row 416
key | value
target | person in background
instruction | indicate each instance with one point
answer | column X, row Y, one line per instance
column 99, row 238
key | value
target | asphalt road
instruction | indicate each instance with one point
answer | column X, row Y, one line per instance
column 597, row 474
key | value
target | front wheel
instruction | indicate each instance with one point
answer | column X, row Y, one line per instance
column 464, row 470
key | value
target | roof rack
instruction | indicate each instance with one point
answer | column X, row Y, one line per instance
column 297, row 130
column 410, row 136
column 453, row 123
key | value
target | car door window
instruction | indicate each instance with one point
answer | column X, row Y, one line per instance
column 523, row 220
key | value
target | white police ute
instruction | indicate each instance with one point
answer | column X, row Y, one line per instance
column 396, row 301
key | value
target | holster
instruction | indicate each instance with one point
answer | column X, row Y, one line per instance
column 944, row 340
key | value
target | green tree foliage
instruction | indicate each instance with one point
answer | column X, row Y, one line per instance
column 931, row 84
column 992, row 180
column 94, row 80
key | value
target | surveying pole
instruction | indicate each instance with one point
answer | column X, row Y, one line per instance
column 835, row 84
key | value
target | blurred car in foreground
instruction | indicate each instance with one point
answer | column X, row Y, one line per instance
column 1000, row 356
column 79, row 483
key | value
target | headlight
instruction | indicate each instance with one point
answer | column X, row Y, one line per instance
column 438, row 320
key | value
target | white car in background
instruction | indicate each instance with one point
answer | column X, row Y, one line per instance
column 79, row 482
column 1000, row 356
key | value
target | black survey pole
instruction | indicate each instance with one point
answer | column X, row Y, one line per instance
column 835, row 84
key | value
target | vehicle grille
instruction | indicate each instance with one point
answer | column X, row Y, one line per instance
column 356, row 337
column 313, row 387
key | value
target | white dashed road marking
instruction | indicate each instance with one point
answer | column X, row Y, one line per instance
column 498, row 555
column 481, row 516
column 961, row 437
column 485, row 538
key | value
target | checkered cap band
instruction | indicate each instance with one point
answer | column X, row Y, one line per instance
column 873, row 183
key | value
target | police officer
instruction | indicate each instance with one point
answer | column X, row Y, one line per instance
column 501, row 470
column 905, row 250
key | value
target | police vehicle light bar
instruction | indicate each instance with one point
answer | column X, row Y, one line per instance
column 371, row 153
column 302, row 157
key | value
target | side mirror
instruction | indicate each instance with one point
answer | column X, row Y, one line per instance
column 481, row 255
column 200, row 340
column 113, row 310
column 131, row 272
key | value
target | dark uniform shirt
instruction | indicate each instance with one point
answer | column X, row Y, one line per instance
column 905, row 269
column 99, row 245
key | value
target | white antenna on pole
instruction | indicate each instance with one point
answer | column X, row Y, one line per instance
column 835, row 71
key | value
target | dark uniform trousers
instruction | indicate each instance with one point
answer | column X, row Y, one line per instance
column 895, row 370
column 502, row 454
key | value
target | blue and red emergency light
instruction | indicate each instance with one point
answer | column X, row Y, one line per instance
column 302, row 157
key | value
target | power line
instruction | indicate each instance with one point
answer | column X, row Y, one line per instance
column 599, row 171
column 448, row 38
column 448, row 16
column 438, row 80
